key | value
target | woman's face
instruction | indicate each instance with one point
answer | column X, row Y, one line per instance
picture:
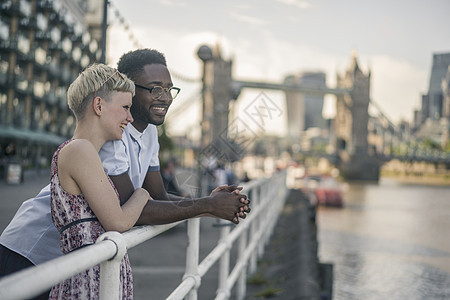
column 117, row 113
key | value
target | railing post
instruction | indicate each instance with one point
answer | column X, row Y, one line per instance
column 262, row 194
column 253, row 230
column 224, row 266
column 110, row 269
column 241, row 284
column 192, row 254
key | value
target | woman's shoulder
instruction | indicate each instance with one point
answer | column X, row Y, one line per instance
column 79, row 148
column 80, row 142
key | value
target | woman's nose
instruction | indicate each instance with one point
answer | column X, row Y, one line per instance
column 130, row 117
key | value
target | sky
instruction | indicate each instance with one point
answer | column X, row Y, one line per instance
column 271, row 39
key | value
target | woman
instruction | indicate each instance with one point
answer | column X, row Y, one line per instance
column 84, row 201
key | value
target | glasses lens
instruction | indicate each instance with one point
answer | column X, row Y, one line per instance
column 174, row 92
column 157, row 92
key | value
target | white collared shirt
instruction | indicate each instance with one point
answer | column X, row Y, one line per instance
column 136, row 154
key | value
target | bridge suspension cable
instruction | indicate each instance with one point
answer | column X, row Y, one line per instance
column 383, row 115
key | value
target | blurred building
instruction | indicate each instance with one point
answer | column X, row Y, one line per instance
column 425, row 112
column 44, row 45
column 446, row 95
column 439, row 70
column 313, row 103
column 305, row 111
column 433, row 121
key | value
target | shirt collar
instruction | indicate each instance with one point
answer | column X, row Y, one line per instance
column 135, row 134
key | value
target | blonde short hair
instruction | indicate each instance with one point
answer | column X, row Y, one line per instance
column 96, row 80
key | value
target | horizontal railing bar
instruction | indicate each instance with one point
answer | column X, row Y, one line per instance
column 242, row 263
column 52, row 272
column 220, row 249
column 183, row 289
column 211, row 258
column 140, row 234
column 215, row 254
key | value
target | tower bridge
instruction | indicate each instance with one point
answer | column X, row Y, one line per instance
column 353, row 156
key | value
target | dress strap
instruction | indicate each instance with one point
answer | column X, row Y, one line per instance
column 77, row 222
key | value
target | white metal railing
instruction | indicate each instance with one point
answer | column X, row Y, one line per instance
column 267, row 196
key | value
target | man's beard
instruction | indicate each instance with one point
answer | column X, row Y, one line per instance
column 155, row 122
column 143, row 114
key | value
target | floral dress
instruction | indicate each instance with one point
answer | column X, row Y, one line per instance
column 79, row 227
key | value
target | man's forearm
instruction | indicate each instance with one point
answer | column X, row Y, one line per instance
column 220, row 204
column 173, row 197
column 163, row 212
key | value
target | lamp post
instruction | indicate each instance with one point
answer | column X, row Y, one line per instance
column 205, row 54
column 104, row 27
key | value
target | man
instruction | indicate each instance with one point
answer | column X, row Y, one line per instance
column 31, row 237
column 167, row 171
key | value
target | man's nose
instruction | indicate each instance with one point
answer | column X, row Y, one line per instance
column 166, row 97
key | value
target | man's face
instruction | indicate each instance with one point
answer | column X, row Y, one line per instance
column 145, row 108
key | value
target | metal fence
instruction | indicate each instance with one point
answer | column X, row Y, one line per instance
column 252, row 234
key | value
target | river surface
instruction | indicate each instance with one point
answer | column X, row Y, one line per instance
column 390, row 241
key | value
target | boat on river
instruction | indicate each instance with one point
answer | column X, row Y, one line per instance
column 323, row 190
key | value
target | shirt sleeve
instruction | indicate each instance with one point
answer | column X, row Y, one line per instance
column 154, row 160
column 114, row 158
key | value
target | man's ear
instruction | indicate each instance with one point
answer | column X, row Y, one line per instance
column 97, row 105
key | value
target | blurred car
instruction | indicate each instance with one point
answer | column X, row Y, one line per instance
column 323, row 190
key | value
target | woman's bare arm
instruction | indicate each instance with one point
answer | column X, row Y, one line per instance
column 81, row 171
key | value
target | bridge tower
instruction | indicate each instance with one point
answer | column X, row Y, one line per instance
column 350, row 125
column 216, row 94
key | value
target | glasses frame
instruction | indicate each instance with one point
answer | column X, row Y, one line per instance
column 166, row 90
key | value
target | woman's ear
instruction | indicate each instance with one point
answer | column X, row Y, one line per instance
column 97, row 105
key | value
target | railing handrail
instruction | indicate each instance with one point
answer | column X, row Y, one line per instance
column 267, row 195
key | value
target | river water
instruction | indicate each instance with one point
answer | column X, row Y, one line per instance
column 390, row 241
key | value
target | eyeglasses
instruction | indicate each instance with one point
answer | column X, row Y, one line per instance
column 157, row 91
column 107, row 79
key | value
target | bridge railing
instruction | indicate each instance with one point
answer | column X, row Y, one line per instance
column 267, row 196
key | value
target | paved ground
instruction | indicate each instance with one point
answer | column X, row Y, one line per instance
column 288, row 268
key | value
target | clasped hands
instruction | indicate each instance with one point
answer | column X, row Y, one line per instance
column 243, row 206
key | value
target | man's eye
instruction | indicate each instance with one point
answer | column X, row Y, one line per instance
column 127, row 107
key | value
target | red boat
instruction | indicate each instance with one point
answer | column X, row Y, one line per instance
column 323, row 190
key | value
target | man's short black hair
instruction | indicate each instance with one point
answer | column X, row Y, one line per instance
column 132, row 63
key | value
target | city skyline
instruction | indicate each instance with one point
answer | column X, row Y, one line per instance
column 269, row 40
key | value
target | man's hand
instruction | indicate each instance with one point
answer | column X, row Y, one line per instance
column 225, row 197
column 236, row 189
column 228, row 188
